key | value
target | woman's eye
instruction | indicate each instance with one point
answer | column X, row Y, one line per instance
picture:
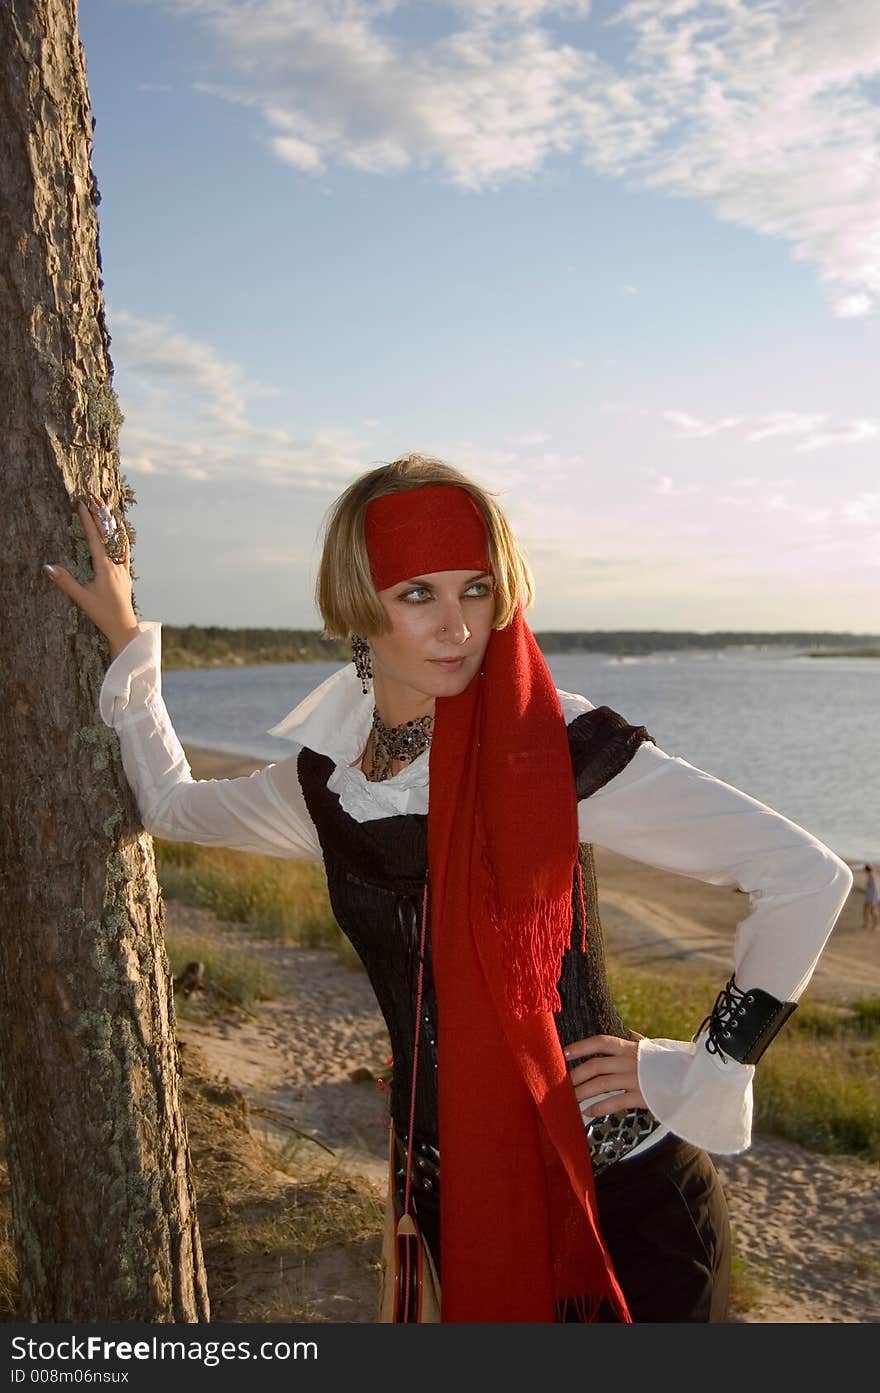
column 420, row 593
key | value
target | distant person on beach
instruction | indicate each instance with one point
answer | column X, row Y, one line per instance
column 871, row 907
column 547, row 1163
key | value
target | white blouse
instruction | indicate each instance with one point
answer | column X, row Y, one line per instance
column 659, row 809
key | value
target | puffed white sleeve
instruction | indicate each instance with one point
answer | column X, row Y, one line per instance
column 262, row 812
column 663, row 811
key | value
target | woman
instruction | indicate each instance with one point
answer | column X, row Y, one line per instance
column 476, row 924
column 871, row 907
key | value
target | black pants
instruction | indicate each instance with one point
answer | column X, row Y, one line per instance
column 664, row 1219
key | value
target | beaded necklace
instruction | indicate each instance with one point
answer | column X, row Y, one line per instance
column 402, row 743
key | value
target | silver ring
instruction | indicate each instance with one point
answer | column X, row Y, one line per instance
column 113, row 533
column 115, row 543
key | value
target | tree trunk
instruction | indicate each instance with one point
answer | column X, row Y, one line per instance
column 103, row 1201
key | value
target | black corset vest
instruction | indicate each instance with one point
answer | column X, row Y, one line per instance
column 376, row 875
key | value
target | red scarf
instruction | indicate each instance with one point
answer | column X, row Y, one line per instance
column 518, row 1230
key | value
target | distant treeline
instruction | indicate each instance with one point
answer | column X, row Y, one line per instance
column 626, row 642
column 193, row 645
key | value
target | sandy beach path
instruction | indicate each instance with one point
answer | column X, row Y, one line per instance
column 651, row 917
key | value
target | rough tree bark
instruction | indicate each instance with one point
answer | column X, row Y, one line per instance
column 104, row 1209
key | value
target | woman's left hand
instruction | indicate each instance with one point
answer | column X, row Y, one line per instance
column 612, row 1065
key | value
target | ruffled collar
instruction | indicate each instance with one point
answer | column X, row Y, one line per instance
column 335, row 720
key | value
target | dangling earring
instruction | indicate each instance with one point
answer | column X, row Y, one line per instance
column 360, row 650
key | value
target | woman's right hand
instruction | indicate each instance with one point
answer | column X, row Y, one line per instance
column 107, row 599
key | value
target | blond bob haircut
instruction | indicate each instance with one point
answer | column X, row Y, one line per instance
column 345, row 594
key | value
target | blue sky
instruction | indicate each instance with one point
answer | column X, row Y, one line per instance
column 619, row 262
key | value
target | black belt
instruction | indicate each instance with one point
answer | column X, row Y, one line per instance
column 610, row 1138
column 425, row 1174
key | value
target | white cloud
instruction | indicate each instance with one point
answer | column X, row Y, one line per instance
column 864, row 509
column 321, row 461
column 785, row 423
column 853, row 306
column 167, row 363
column 665, row 485
column 188, row 413
column 518, row 10
column 804, row 519
column 763, row 109
column 694, row 428
column 299, row 153
column 811, row 430
column 776, row 127
column 777, row 503
column 854, row 433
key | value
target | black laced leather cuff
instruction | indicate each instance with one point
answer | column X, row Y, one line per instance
column 742, row 1024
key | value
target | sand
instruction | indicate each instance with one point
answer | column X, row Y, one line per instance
column 809, row 1225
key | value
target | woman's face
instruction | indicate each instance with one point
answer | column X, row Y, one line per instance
column 440, row 625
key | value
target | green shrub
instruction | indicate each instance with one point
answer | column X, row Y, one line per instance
column 287, row 899
column 867, row 1010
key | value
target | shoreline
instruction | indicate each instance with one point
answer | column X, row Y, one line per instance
column 190, row 647
column 651, row 917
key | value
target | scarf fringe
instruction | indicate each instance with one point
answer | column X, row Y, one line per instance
column 573, row 1310
column 535, row 936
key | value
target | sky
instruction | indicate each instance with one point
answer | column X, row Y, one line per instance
column 619, row 262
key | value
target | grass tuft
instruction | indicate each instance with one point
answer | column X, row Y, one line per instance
column 747, row 1286
column 329, row 1209
column 282, row 899
column 233, row 977
column 867, row 1010
column 9, row 1291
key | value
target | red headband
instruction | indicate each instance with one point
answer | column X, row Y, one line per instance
column 438, row 527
